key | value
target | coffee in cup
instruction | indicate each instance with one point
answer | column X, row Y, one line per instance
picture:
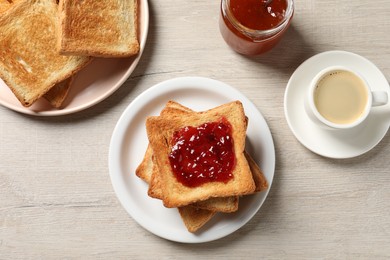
column 340, row 98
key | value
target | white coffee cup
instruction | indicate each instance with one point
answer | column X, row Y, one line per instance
column 340, row 98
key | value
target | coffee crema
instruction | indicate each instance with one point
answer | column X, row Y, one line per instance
column 341, row 97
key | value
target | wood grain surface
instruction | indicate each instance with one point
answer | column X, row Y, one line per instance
column 57, row 201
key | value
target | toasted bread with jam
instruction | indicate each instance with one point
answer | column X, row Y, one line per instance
column 225, row 204
column 160, row 130
column 197, row 214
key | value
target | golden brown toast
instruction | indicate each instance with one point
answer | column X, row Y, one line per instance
column 160, row 130
column 29, row 64
column 258, row 176
column 4, row 5
column 144, row 170
column 194, row 218
column 57, row 94
column 98, row 28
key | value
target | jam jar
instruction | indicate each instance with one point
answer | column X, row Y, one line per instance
column 252, row 27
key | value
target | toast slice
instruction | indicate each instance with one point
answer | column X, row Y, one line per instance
column 146, row 167
column 29, row 64
column 193, row 216
column 160, row 130
column 224, row 204
column 98, row 28
column 57, row 94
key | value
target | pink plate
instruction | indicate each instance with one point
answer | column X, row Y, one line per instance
column 93, row 84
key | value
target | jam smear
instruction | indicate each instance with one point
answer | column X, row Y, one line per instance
column 203, row 154
column 259, row 14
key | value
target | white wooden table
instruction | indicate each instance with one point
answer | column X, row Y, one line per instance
column 57, row 201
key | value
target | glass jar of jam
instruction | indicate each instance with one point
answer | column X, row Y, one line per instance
column 252, row 27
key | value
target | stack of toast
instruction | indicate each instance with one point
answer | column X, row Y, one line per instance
column 44, row 43
column 197, row 205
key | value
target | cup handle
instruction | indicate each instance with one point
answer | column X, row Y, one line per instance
column 379, row 98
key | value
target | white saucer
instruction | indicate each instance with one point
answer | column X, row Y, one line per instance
column 329, row 143
column 129, row 142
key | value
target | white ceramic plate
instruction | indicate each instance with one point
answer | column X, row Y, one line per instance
column 129, row 142
column 329, row 143
column 93, row 84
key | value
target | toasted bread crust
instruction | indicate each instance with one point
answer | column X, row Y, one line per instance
column 258, row 176
column 98, row 28
column 57, row 94
column 29, row 65
column 160, row 130
column 194, row 218
column 145, row 168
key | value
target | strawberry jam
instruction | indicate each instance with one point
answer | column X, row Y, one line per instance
column 203, row 154
column 259, row 14
column 252, row 27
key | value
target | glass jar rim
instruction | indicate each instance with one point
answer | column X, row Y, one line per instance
column 253, row 33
